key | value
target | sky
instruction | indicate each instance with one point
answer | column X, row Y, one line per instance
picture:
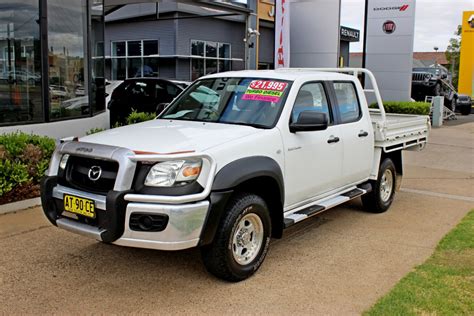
column 435, row 21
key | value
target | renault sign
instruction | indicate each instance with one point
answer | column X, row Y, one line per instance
column 466, row 64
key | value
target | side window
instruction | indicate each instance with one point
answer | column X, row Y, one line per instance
column 172, row 90
column 347, row 101
column 311, row 97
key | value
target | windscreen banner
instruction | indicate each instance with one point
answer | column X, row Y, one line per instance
column 389, row 46
column 282, row 33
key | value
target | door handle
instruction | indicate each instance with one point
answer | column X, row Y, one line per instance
column 333, row 139
column 363, row 134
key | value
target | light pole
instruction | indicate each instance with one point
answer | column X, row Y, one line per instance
column 436, row 60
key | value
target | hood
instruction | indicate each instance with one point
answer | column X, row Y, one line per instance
column 170, row 136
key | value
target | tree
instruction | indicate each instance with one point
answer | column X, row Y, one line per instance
column 453, row 53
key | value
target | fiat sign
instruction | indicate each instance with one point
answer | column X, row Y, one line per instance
column 389, row 27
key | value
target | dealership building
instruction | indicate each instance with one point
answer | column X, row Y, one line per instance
column 56, row 55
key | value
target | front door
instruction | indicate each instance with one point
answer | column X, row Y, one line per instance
column 313, row 160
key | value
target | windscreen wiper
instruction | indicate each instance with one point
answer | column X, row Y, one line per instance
column 256, row 125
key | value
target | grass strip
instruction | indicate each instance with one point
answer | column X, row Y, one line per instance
column 443, row 285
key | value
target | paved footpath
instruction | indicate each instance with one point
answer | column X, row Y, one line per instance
column 338, row 263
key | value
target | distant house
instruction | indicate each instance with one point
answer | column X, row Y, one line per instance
column 426, row 59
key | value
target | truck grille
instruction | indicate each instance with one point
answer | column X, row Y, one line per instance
column 419, row 76
column 92, row 175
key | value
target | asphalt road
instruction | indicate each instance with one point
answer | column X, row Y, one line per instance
column 338, row 263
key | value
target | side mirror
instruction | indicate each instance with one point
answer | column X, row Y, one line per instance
column 160, row 107
column 310, row 121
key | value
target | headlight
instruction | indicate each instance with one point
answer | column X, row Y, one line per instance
column 173, row 173
column 63, row 162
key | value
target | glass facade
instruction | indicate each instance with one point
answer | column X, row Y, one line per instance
column 72, row 59
column 20, row 63
column 67, row 56
column 213, row 57
column 134, row 59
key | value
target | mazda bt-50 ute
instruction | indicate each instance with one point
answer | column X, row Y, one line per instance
column 233, row 161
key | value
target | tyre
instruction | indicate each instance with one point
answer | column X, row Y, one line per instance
column 383, row 190
column 437, row 90
column 242, row 239
column 465, row 110
column 450, row 104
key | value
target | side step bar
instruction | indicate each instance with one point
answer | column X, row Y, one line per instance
column 325, row 204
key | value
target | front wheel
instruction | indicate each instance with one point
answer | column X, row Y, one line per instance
column 465, row 110
column 383, row 190
column 241, row 240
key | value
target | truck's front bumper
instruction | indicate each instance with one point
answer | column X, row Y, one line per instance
column 182, row 230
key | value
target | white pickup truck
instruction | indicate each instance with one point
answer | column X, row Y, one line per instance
column 231, row 162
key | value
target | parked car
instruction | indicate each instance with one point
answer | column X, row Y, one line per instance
column 253, row 153
column 21, row 76
column 60, row 92
column 432, row 81
column 464, row 104
column 142, row 95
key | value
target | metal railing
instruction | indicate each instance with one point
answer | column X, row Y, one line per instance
column 355, row 72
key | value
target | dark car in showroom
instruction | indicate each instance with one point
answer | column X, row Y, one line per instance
column 464, row 104
column 142, row 95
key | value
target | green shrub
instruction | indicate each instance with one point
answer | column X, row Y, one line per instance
column 95, row 130
column 23, row 158
column 12, row 174
column 137, row 117
column 400, row 107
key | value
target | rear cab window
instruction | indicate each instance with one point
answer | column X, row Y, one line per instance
column 348, row 104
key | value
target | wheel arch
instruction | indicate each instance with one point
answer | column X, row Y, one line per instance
column 258, row 174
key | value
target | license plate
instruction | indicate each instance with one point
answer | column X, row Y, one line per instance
column 79, row 206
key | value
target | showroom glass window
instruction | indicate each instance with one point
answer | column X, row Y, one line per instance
column 68, row 67
column 134, row 59
column 209, row 57
column 97, row 75
column 20, row 63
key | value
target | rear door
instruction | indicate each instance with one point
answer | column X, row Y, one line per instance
column 313, row 160
column 356, row 132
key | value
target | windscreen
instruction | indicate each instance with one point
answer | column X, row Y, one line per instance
column 242, row 101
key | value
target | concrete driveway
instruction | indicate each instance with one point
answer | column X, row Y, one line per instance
column 337, row 263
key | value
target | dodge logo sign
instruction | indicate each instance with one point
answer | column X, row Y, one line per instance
column 400, row 8
column 389, row 27
column 94, row 173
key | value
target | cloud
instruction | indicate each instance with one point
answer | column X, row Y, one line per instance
column 435, row 21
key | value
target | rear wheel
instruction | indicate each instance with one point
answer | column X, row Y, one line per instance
column 241, row 241
column 383, row 190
